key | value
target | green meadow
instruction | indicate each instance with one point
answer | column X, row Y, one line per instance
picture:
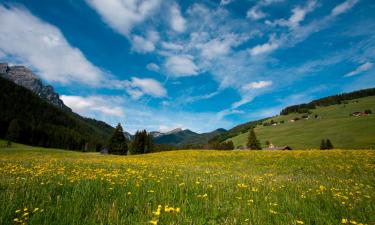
column 49, row 186
column 333, row 122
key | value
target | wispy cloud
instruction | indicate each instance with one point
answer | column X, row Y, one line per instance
column 360, row 69
column 298, row 15
column 256, row 13
column 343, row 7
column 257, row 85
column 153, row 67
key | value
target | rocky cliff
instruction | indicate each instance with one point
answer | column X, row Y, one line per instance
column 25, row 77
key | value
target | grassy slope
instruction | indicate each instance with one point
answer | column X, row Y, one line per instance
column 335, row 123
column 210, row 187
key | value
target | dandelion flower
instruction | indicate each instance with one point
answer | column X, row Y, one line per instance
column 154, row 222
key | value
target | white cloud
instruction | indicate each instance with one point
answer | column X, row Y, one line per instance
column 172, row 46
column 362, row 68
column 153, row 67
column 220, row 46
column 177, row 22
column 181, row 65
column 123, row 15
column 257, row 85
column 225, row 2
column 137, row 87
column 255, row 13
column 43, row 46
column 143, row 45
column 343, row 7
column 298, row 15
column 134, row 115
column 90, row 106
column 270, row 46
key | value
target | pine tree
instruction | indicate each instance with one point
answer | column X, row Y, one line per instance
column 323, row 145
column 150, row 144
column 117, row 144
column 252, row 141
column 230, row 145
column 329, row 144
column 142, row 143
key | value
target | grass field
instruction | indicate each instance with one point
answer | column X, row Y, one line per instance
column 334, row 123
column 45, row 186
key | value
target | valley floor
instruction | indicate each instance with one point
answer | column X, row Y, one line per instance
column 45, row 186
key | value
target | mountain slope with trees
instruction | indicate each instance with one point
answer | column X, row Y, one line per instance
column 187, row 137
column 28, row 119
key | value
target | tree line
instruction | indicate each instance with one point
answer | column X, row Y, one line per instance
column 327, row 101
column 118, row 144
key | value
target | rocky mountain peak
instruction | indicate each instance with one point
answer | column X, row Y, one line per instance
column 174, row 131
column 23, row 76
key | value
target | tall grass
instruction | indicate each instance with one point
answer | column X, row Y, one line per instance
column 198, row 187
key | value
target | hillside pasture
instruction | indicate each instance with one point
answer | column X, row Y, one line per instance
column 333, row 122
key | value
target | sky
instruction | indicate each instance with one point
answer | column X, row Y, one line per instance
column 198, row 65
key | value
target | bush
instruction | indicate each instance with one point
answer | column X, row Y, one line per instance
column 368, row 111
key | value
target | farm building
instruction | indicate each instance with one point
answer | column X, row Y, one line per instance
column 359, row 114
column 273, row 147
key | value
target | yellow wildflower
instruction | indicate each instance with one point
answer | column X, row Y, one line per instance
column 154, row 222
column 299, row 222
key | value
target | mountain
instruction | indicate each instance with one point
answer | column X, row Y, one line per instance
column 340, row 118
column 27, row 118
column 26, row 78
column 128, row 135
column 184, row 137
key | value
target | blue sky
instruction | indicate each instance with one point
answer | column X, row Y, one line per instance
column 199, row 65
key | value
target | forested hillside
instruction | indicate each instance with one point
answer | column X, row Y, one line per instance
column 26, row 118
column 327, row 101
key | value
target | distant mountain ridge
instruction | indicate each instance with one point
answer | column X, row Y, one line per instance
column 24, row 77
column 179, row 136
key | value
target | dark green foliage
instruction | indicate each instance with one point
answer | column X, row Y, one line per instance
column 326, row 144
column 164, row 147
column 368, row 111
column 142, row 143
column 323, row 145
column 242, row 128
column 117, row 143
column 27, row 119
column 329, row 144
column 226, row 145
column 326, row 101
column 252, row 141
column 18, row 131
